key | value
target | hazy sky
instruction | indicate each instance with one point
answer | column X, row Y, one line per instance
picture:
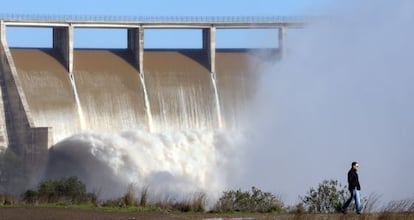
column 343, row 93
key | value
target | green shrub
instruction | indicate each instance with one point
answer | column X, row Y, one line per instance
column 298, row 209
column 327, row 198
column 65, row 190
column 30, row 196
column 249, row 201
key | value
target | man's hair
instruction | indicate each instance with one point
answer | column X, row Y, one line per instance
column 354, row 163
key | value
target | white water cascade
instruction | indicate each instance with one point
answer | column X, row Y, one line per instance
column 218, row 108
column 147, row 104
column 78, row 104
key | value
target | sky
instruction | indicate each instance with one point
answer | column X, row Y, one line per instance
column 158, row 7
column 41, row 37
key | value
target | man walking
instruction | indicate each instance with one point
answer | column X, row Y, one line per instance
column 354, row 188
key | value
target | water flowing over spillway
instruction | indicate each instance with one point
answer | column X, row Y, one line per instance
column 78, row 104
column 172, row 128
column 147, row 105
column 48, row 91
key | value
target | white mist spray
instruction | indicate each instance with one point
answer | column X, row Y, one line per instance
column 171, row 164
column 343, row 93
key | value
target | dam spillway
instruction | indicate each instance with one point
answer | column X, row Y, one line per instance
column 50, row 94
column 110, row 91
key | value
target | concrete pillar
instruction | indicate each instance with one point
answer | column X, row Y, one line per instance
column 209, row 45
column 141, row 49
column 136, row 46
column 71, row 46
column 4, row 140
column 2, row 31
column 282, row 36
column 63, row 42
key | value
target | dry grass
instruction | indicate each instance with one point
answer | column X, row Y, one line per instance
column 196, row 203
column 34, row 213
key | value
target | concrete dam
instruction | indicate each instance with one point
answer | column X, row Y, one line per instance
column 50, row 94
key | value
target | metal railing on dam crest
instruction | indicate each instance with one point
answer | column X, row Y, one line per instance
column 291, row 21
column 157, row 19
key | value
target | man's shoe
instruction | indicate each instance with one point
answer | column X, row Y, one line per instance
column 343, row 211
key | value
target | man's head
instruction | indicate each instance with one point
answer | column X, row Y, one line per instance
column 355, row 165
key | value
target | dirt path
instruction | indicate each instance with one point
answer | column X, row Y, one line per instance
column 31, row 213
column 35, row 213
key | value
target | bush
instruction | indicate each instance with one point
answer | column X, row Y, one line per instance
column 327, row 198
column 198, row 202
column 129, row 196
column 298, row 209
column 251, row 201
column 67, row 190
column 7, row 199
column 194, row 204
column 144, row 197
column 30, row 196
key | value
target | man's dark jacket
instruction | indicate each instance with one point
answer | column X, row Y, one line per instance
column 353, row 181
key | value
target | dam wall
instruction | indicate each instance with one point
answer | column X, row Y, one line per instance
column 49, row 94
column 25, row 139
